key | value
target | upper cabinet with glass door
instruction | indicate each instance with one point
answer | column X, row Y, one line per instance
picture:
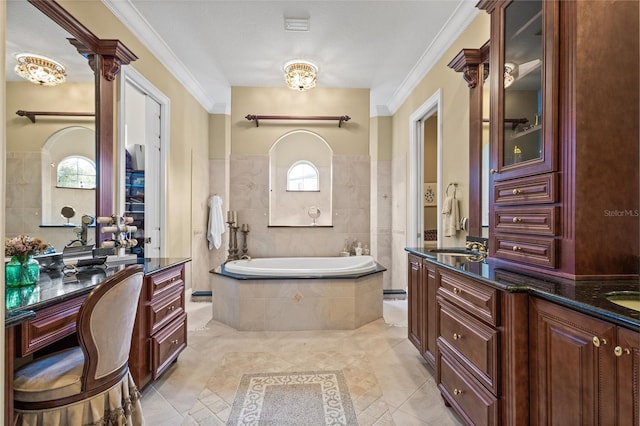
column 523, row 106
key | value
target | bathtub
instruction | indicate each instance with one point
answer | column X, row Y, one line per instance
column 298, row 293
column 302, row 267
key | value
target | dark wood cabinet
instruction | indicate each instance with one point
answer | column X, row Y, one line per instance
column 160, row 331
column 415, row 305
column 422, row 307
column 551, row 110
column 583, row 370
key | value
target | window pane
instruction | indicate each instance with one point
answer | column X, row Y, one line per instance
column 76, row 172
column 302, row 176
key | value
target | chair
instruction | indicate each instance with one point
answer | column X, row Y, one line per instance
column 90, row 383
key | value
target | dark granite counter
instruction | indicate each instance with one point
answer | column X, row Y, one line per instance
column 54, row 287
column 585, row 296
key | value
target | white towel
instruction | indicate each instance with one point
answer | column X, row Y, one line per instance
column 451, row 217
column 216, row 222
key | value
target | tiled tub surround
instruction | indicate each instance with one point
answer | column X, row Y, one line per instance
column 292, row 304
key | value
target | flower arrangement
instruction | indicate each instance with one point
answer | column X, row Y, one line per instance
column 23, row 246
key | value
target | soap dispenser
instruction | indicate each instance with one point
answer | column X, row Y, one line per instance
column 359, row 249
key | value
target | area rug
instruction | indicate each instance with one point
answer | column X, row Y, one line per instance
column 293, row 399
column 283, row 386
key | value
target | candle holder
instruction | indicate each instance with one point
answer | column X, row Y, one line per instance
column 245, row 231
column 233, row 242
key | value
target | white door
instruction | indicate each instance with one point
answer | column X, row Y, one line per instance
column 152, row 206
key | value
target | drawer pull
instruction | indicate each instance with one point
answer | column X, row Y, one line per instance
column 619, row 351
column 597, row 342
column 517, row 219
column 516, row 248
column 171, row 308
column 457, row 391
column 493, row 171
column 456, row 290
column 457, row 336
column 516, row 191
column 174, row 342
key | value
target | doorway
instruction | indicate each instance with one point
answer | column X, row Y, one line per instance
column 144, row 117
column 425, row 186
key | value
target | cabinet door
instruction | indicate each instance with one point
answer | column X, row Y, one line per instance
column 524, row 97
column 430, row 326
column 572, row 367
column 628, row 353
column 415, row 301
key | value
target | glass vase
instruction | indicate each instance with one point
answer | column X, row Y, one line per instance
column 21, row 271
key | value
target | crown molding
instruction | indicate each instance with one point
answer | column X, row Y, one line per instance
column 463, row 16
column 127, row 13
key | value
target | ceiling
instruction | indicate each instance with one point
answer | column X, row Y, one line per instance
column 212, row 45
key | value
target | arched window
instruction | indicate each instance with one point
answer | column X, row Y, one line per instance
column 76, row 172
column 303, row 176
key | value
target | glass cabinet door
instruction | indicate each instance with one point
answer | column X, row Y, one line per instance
column 523, row 131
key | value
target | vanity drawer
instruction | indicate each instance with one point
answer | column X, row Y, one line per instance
column 167, row 344
column 472, row 296
column 49, row 325
column 474, row 343
column 533, row 220
column 471, row 400
column 533, row 251
column 165, row 281
column 529, row 190
column 161, row 312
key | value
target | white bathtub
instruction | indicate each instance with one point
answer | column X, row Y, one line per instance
column 301, row 267
column 299, row 293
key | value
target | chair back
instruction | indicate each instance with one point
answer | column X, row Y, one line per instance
column 105, row 327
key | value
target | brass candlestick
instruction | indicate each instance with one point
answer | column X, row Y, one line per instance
column 233, row 242
column 244, row 242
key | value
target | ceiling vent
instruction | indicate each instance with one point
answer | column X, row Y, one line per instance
column 296, row 24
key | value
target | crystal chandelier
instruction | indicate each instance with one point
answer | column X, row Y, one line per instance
column 40, row 70
column 300, row 75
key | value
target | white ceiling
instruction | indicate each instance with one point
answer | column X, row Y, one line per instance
column 211, row 45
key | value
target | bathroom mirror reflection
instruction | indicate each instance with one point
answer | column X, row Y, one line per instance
column 39, row 154
column 300, row 180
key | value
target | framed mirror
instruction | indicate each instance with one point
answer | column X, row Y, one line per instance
column 300, row 180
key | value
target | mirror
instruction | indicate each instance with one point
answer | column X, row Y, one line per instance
column 485, row 150
column 300, row 180
column 36, row 150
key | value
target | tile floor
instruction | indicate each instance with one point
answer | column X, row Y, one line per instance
column 389, row 381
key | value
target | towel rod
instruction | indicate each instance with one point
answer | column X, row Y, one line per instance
column 339, row 118
column 31, row 115
column 513, row 121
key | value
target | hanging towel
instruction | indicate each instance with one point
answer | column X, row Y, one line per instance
column 216, row 222
column 451, row 216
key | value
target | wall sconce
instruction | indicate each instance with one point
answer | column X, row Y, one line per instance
column 40, row 69
column 509, row 70
column 300, row 75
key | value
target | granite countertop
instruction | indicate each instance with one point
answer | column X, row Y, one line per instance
column 54, row 287
column 587, row 296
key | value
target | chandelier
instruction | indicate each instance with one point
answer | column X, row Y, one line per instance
column 40, row 70
column 300, row 75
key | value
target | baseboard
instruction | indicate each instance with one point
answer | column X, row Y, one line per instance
column 394, row 293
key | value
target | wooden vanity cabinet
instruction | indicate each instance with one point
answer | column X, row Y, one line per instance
column 422, row 307
column 563, row 189
column 582, row 370
column 160, row 331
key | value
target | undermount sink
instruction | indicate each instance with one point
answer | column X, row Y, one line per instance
column 628, row 299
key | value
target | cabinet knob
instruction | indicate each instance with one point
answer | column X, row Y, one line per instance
column 456, row 290
column 619, row 351
column 457, row 391
column 493, row 171
column 516, row 219
column 597, row 342
column 516, row 248
column 516, row 191
column 457, row 336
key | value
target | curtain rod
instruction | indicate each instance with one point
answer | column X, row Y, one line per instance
column 256, row 118
column 31, row 115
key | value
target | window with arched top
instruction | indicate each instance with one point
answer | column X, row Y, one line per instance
column 76, row 172
column 303, row 176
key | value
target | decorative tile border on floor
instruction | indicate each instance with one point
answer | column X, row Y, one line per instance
column 216, row 399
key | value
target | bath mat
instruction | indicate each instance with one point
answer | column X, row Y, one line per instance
column 293, row 398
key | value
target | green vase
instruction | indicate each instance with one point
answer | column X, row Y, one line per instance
column 21, row 271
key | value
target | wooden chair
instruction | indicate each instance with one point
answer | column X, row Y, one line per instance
column 90, row 383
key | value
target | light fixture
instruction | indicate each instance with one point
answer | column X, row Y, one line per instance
column 509, row 70
column 300, row 75
column 40, row 70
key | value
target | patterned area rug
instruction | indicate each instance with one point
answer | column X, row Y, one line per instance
column 254, row 382
column 299, row 398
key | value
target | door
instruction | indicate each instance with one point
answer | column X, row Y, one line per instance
column 152, row 181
